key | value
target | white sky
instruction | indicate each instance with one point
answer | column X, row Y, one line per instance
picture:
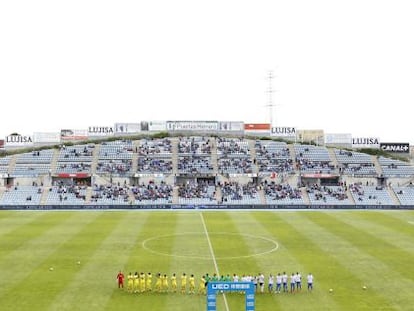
column 341, row 66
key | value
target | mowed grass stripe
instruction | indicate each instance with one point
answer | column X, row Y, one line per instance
column 250, row 224
column 403, row 219
column 393, row 235
column 396, row 259
column 93, row 284
column 231, row 244
column 36, row 243
column 64, row 260
column 296, row 253
column 141, row 260
column 188, row 244
column 358, row 268
column 20, row 230
column 11, row 221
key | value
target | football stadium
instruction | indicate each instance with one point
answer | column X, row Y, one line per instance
column 205, row 215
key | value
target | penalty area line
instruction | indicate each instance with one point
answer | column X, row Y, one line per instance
column 213, row 256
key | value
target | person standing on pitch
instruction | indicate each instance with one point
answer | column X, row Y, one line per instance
column 278, row 283
column 120, row 278
column 310, row 281
column 270, row 283
column 285, row 281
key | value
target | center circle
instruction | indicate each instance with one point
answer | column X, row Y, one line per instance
column 183, row 243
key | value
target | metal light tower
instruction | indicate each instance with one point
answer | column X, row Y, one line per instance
column 270, row 92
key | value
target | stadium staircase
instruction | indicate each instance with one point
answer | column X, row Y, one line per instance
column 292, row 152
column 393, row 196
column 12, row 163
column 88, row 195
column 174, row 157
column 175, row 195
column 350, row 196
column 262, row 196
column 219, row 194
column 53, row 163
column 378, row 168
column 214, row 158
column 134, row 167
column 305, row 196
column 45, row 194
column 334, row 160
column 253, row 156
column 95, row 157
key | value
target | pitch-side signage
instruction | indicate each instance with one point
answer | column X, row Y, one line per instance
column 365, row 142
column 196, row 126
column 395, row 147
column 283, row 131
column 17, row 140
column 214, row 288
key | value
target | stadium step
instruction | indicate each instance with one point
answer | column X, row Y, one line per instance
column 378, row 168
column 53, row 163
column 95, row 158
column 175, row 195
column 174, row 157
column 262, row 196
column 45, row 194
column 332, row 155
column 393, row 196
column 214, row 160
column 12, row 163
column 305, row 196
column 88, row 195
column 134, row 167
column 350, row 196
column 253, row 155
column 219, row 194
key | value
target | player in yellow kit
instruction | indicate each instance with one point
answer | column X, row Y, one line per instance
column 136, row 282
column 202, row 286
column 191, row 282
column 158, row 283
column 149, row 282
column 142, row 282
column 174, row 283
column 165, row 283
column 183, row 283
column 130, row 284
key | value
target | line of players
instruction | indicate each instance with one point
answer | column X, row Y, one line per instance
column 140, row 283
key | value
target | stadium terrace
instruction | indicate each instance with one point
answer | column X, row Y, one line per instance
column 201, row 172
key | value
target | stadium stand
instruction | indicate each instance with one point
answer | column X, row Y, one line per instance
column 355, row 163
column 197, row 193
column 370, row 195
column 395, row 168
column 405, row 194
column 236, row 193
column 314, row 159
column 22, row 195
column 273, row 157
column 328, row 195
column 203, row 171
column 282, row 193
column 153, row 193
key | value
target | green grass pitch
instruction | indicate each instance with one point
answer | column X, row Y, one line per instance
column 344, row 250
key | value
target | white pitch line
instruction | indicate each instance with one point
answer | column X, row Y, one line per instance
column 411, row 222
column 214, row 257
